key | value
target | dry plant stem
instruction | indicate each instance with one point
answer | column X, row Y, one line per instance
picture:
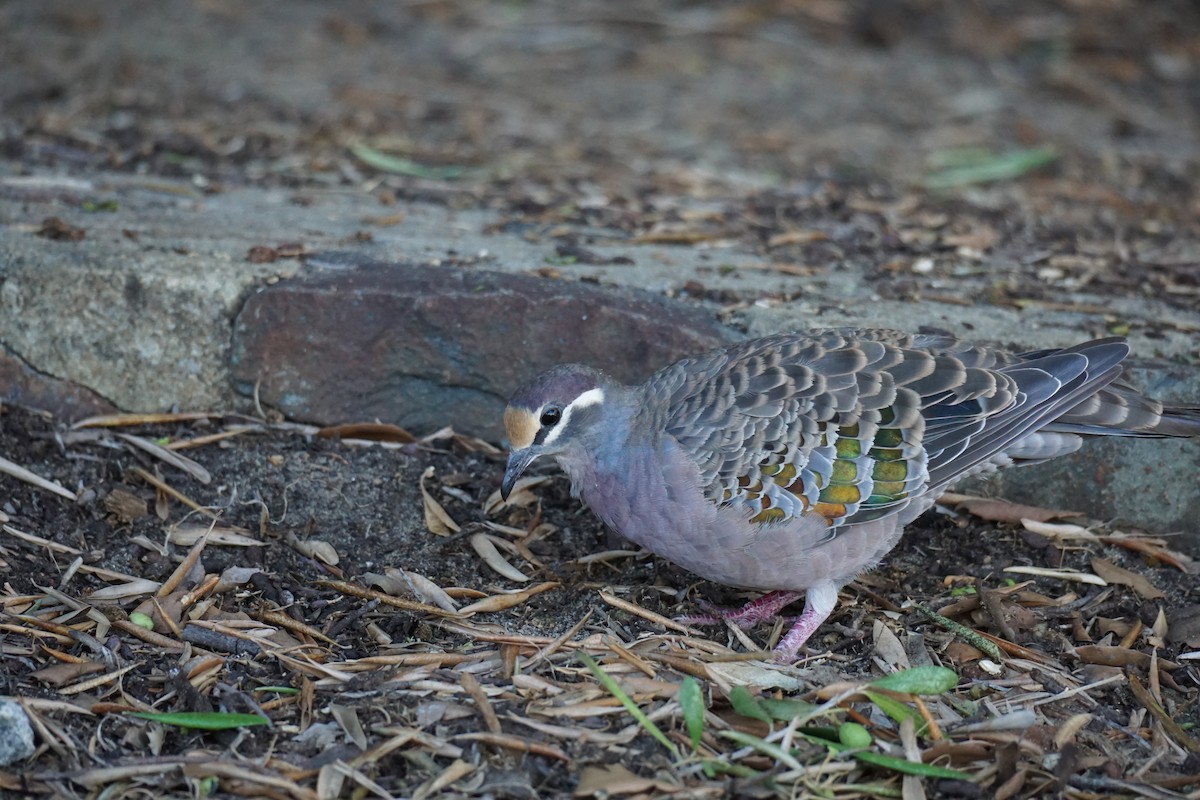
column 482, row 704
column 189, row 562
column 387, row 599
column 20, row 473
column 149, row 637
column 1170, row 726
column 168, row 457
column 299, row 628
column 554, row 646
column 212, row 438
column 515, row 743
column 167, row 489
column 995, row 609
column 131, row 420
column 38, row 540
column 645, row 614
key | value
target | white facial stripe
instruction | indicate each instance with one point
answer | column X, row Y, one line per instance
column 589, row 398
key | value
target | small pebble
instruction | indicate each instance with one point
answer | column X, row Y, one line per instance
column 16, row 734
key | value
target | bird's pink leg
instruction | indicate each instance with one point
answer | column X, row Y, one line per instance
column 818, row 605
column 759, row 610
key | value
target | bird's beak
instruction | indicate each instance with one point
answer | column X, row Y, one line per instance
column 518, row 462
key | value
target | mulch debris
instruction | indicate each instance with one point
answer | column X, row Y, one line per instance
column 372, row 620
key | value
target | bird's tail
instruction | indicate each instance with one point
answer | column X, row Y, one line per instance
column 1179, row 421
column 1120, row 410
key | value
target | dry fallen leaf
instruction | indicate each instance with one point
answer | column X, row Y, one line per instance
column 520, row 496
column 1004, row 511
column 1155, row 549
column 888, row 647
column 1059, row 531
column 368, row 431
column 62, row 674
column 437, row 521
column 121, row 591
column 755, row 674
column 315, row 548
column 616, row 779
column 486, row 548
column 499, row 602
column 1111, row 656
column 427, row 591
column 1114, row 574
column 347, row 718
column 187, row 535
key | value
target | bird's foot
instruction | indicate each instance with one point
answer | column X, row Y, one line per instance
column 819, row 604
column 762, row 609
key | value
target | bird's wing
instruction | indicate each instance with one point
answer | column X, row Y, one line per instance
column 854, row 425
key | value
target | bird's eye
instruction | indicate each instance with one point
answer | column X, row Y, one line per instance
column 550, row 417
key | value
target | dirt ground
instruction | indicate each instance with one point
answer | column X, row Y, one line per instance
column 392, row 661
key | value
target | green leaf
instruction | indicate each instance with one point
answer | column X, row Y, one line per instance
column 616, row 691
column 692, row 704
column 910, row 767
column 918, row 680
column 785, row 710
column 1003, row 167
column 747, row 704
column 202, row 720
column 277, row 689
column 94, row 206
column 894, row 708
column 402, row 166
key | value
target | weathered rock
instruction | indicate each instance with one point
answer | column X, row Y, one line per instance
column 16, row 734
column 144, row 324
column 22, row 386
column 425, row 346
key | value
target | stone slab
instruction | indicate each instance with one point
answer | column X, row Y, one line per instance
column 422, row 345
column 22, row 386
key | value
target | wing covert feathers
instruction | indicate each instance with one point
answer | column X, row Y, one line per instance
column 856, row 425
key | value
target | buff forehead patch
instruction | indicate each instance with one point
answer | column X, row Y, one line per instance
column 521, row 426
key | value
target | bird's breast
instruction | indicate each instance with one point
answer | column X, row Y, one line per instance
column 655, row 499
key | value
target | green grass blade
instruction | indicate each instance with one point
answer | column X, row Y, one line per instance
column 766, row 748
column 1003, row 167
column 202, row 720
column 786, row 709
column 910, row 767
column 894, row 708
column 402, row 166
column 691, row 701
column 616, row 691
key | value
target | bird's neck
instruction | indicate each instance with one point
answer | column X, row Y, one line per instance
column 617, row 469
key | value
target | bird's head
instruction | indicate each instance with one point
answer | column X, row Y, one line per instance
column 553, row 413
